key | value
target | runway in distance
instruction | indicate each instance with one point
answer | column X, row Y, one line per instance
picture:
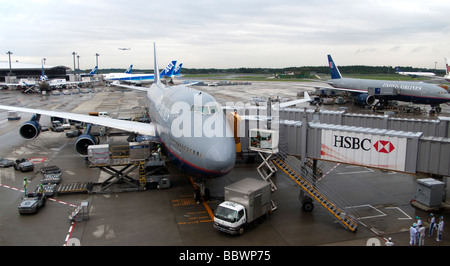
column 365, row 91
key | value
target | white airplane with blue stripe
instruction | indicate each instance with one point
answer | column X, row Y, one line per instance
column 129, row 78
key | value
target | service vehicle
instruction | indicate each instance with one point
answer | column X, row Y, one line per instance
column 245, row 201
column 23, row 165
column 57, row 126
column 4, row 163
column 32, row 202
column 12, row 115
column 73, row 133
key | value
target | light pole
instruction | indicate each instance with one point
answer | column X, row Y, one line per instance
column 74, row 70
column 78, row 61
column 9, row 53
column 96, row 61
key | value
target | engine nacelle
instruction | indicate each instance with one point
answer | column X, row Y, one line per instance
column 30, row 129
column 365, row 99
column 82, row 143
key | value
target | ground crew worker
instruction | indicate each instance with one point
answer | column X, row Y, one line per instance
column 413, row 235
column 421, row 235
column 25, row 184
column 159, row 151
column 440, row 229
column 41, row 189
column 419, row 222
column 389, row 242
column 432, row 221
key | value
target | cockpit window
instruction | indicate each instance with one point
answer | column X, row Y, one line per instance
column 205, row 109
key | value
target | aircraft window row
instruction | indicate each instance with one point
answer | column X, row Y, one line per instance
column 204, row 109
column 185, row 148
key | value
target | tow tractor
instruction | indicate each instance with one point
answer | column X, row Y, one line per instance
column 32, row 202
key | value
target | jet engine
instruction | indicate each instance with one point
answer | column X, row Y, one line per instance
column 365, row 99
column 85, row 140
column 31, row 129
column 82, row 143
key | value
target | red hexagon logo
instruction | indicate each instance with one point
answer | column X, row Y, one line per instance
column 384, row 146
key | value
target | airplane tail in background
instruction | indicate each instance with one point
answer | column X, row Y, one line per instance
column 334, row 71
column 168, row 71
column 156, row 68
column 129, row 69
column 447, row 66
column 177, row 70
column 93, row 71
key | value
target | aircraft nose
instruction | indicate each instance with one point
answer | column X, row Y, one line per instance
column 221, row 155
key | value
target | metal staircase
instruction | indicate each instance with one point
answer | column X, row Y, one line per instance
column 308, row 184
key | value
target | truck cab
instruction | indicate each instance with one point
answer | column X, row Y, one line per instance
column 230, row 217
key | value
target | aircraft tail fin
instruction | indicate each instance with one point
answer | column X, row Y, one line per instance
column 168, row 71
column 129, row 69
column 156, row 69
column 93, row 71
column 177, row 70
column 447, row 66
column 334, row 71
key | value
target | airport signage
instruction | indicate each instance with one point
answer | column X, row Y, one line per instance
column 365, row 149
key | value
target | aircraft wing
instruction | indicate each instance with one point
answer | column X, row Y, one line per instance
column 306, row 98
column 69, row 82
column 131, row 126
column 332, row 88
column 117, row 84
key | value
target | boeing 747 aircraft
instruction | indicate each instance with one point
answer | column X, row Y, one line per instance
column 414, row 74
column 365, row 91
column 127, row 77
column 189, row 123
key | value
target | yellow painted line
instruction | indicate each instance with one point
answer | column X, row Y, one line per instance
column 208, row 209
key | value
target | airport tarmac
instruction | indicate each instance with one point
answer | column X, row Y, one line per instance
column 171, row 217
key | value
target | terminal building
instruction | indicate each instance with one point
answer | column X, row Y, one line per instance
column 29, row 71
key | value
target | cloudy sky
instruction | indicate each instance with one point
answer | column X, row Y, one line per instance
column 227, row 33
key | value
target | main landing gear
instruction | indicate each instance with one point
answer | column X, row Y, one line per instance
column 435, row 109
column 200, row 190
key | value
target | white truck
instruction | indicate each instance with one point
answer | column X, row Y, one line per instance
column 245, row 201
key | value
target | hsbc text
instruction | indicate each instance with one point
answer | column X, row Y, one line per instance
column 352, row 143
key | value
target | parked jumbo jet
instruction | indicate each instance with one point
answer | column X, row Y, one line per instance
column 365, row 90
column 189, row 123
column 414, row 74
column 127, row 77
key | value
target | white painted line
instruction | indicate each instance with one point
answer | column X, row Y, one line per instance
column 368, row 217
column 368, row 170
column 407, row 216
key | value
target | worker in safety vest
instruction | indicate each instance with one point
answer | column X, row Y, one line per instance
column 41, row 189
column 159, row 152
column 25, row 184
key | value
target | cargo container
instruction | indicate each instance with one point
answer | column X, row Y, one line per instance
column 245, row 201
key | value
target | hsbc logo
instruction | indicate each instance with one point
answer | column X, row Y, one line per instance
column 365, row 144
column 384, row 146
